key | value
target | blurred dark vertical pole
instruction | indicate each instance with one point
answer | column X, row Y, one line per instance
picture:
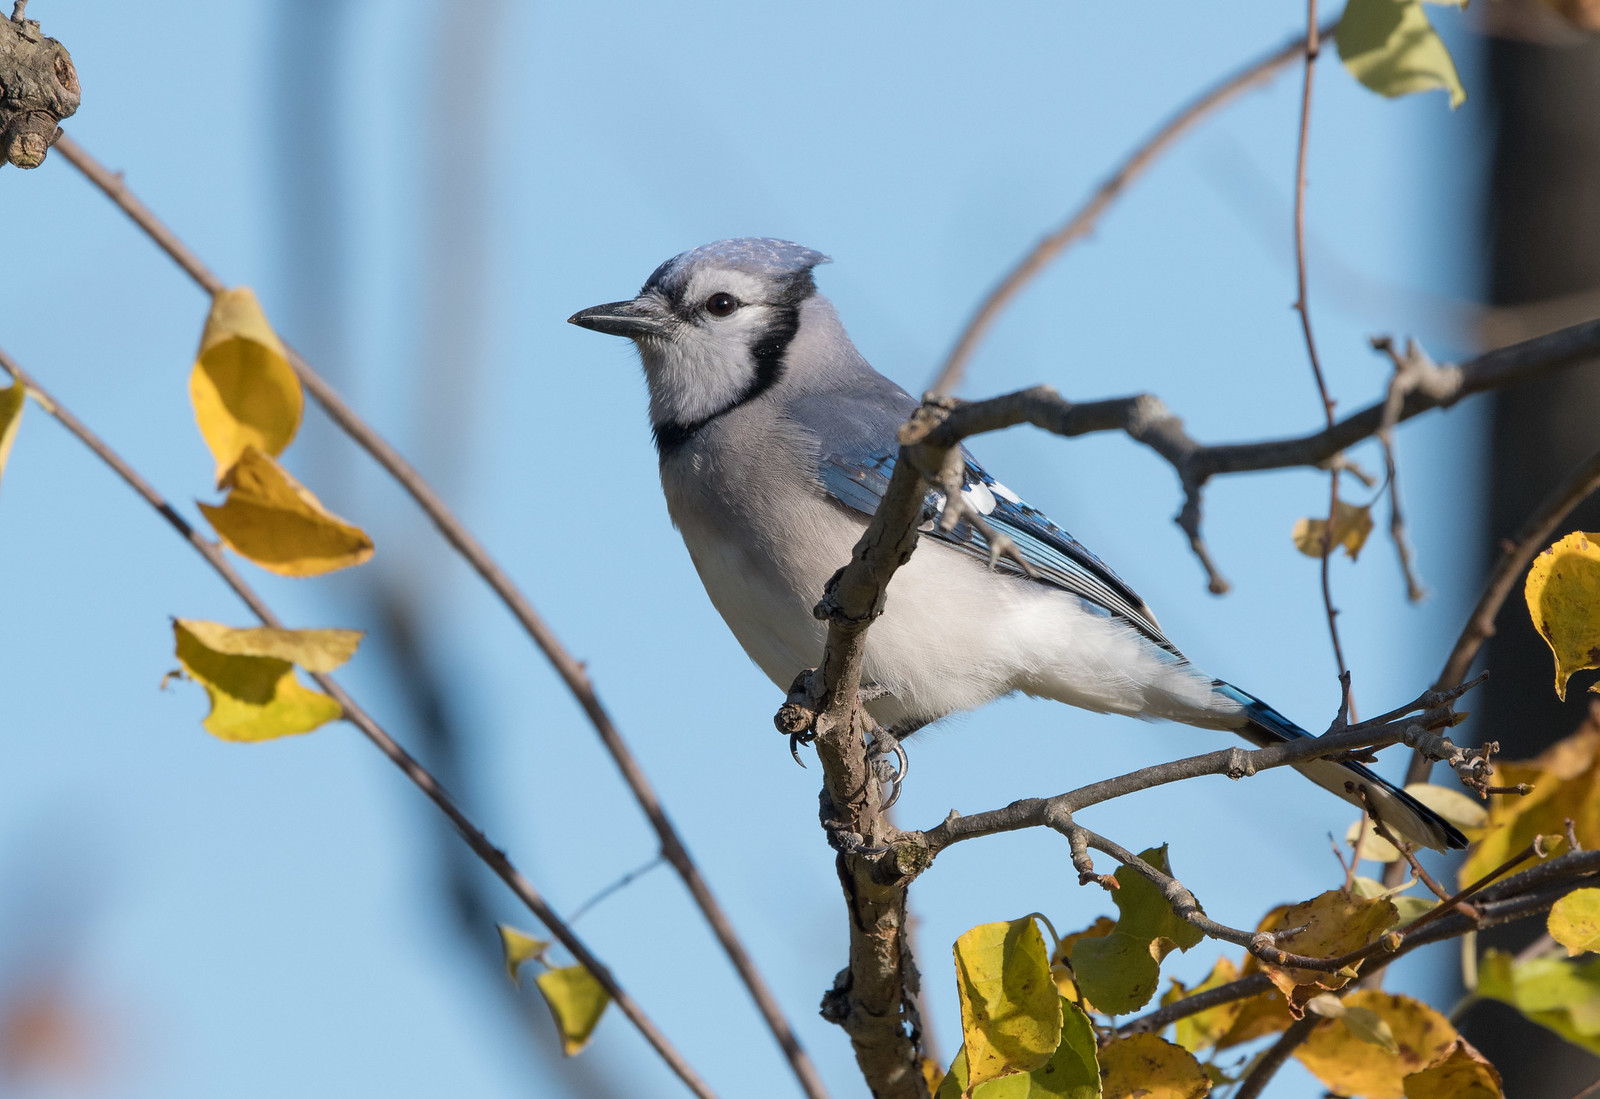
column 312, row 50
column 1543, row 225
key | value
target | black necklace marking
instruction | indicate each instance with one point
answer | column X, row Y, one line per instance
column 768, row 354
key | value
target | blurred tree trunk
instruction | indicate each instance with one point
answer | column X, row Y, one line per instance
column 1543, row 226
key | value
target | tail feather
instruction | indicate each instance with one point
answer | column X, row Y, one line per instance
column 1407, row 816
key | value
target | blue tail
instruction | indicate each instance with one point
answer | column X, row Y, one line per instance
column 1403, row 813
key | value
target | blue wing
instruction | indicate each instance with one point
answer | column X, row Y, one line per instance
column 1058, row 559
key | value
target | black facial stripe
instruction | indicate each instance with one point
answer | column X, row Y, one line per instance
column 768, row 354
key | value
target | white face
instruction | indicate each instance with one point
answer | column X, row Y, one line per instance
column 704, row 364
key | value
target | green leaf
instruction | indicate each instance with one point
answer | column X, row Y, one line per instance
column 12, row 398
column 1390, row 46
column 1558, row 994
column 1575, row 921
column 1010, row 1009
column 1073, row 1072
column 249, row 676
column 517, row 947
column 576, row 1001
column 1119, row 972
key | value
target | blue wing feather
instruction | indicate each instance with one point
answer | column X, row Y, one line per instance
column 1057, row 558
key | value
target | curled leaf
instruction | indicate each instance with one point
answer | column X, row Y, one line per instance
column 517, row 947
column 1462, row 1073
column 1351, row 525
column 249, row 676
column 244, row 391
column 576, row 1001
column 12, row 398
column 1335, row 923
column 276, row 522
column 1563, row 594
column 1010, row 1009
column 1392, row 48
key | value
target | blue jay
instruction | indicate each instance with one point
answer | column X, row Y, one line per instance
column 776, row 440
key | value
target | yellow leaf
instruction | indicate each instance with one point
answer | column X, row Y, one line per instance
column 1144, row 1066
column 1392, row 48
column 253, row 690
column 1563, row 594
column 576, row 1002
column 243, row 389
column 1204, row 1028
column 1374, row 847
column 1351, row 525
column 1575, row 921
column 12, row 398
column 1566, row 786
column 1335, row 924
column 1463, row 1073
column 516, row 947
column 273, row 520
column 1460, row 810
column 931, row 1074
column 1010, row 1010
column 1350, row 1064
column 313, row 650
column 1071, row 1073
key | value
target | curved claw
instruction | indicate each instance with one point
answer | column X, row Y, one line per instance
column 795, row 740
column 896, row 780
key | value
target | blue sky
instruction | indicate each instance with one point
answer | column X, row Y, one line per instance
column 267, row 920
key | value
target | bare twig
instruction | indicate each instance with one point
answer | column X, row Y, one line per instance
column 621, row 883
column 491, row 855
column 1081, row 223
column 1302, row 306
column 572, row 672
column 1411, row 370
column 1272, row 1060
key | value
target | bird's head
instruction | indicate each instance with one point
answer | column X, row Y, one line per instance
column 712, row 326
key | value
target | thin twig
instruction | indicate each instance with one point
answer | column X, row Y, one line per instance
column 1081, row 223
column 621, row 883
column 1302, row 306
column 572, row 673
column 353, row 713
column 1410, row 370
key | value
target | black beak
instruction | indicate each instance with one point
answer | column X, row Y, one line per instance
column 618, row 318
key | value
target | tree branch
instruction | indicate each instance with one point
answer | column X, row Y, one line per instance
column 572, row 672
column 492, row 856
column 1235, row 763
column 1081, row 223
column 1145, row 419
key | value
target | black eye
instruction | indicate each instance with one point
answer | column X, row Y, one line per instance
column 721, row 304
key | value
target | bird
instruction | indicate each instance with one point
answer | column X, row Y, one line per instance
column 776, row 440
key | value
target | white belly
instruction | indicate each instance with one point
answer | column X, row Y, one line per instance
column 953, row 635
